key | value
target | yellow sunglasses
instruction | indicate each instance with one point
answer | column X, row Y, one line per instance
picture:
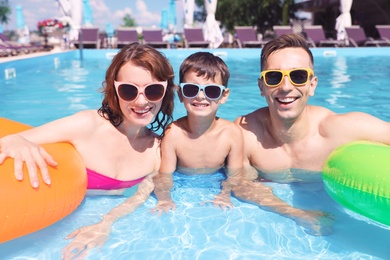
column 298, row 77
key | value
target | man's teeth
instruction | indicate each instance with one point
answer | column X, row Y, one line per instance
column 286, row 100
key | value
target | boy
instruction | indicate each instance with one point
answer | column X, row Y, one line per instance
column 201, row 143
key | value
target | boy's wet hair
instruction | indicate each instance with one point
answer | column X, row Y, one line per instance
column 205, row 64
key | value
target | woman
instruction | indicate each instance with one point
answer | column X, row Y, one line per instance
column 118, row 143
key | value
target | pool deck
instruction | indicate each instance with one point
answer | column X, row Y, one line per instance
column 29, row 55
column 231, row 52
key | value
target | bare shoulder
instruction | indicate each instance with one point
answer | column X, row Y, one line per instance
column 87, row 120
column 331, row 118
column 229, row 126
column 354, row 126
column 253, row 120
column 175, row 129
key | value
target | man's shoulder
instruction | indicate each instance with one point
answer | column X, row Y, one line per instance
column 255, row 116
column 322, row 114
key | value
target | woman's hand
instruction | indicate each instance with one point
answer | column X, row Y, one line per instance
column 85, row 239
column 24, row 151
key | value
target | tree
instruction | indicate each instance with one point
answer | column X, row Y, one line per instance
column 129, row 21
column 260, row 13
column 5, row 11
column 200, row 15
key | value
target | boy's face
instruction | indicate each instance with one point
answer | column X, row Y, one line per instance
column 200, row 103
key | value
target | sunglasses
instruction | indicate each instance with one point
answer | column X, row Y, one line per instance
column 152, row 92
column 298, row 77
column 191, row 90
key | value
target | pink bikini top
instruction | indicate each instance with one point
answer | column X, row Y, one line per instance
column 97, row 181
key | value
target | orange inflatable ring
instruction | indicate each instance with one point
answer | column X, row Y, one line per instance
column 23, row 209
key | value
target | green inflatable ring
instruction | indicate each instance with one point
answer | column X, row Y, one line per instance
column 357, row 175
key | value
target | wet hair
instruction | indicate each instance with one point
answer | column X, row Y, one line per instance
column 292, row 40
column 205, row 64
column 153, row 61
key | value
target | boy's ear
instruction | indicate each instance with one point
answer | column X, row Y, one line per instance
column 179, row 94
column 225, row 96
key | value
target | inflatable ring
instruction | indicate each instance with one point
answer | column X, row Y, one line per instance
column 23, row 209
column 357, row 175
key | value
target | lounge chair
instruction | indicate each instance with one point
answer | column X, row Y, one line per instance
column 316, row 37
column 18, row 47
column 103, row 40
column 246, row 36
column 89, row 37
column 282, row 29
column 384, row 32
column 193, row 37
column 154, row 38
column 126, row 36
column 357, row 37
column 5, row 50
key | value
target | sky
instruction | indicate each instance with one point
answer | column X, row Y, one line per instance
column 147, row 13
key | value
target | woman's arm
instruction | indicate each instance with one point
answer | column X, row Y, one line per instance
column 88, row 237
column 24, row 147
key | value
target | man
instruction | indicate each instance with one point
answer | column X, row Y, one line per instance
column 290, row 140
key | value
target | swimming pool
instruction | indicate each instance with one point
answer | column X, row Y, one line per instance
column 39, row 90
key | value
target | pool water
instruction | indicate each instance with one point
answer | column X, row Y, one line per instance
column 48, row 88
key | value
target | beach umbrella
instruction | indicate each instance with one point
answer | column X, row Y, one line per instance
column 212, row 32
column 87, row 13
column 344, row 19
column 20, row 23
column 76, row 13
column 164, row 19
column 188, row 8
column 65, row 7
column 172, row 15
column 21, row 27
column 72, row 10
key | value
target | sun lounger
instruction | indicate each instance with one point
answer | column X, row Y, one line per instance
column 89, row 37
column 246, row 36
column 357, row 37
column 18, row 47
column 384, row 32
column 126, row 36
column 154, row 38
column 193, row 37
column 6, row 50
column 316, row 37
column 282, row 29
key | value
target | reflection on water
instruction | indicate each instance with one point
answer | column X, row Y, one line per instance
column 201, row 231
column 339, row 73
column 195, row 230
column 292, row 175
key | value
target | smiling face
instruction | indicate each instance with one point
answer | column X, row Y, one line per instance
column 140, row 111
column 200, row 104
column 287, row 101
